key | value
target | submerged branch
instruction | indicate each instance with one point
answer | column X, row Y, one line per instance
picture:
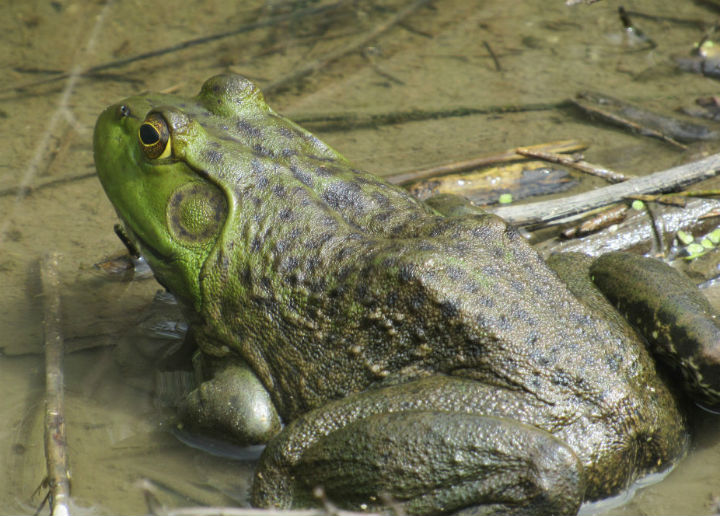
column 545, row 211
column 311, row 11
column 58, row 477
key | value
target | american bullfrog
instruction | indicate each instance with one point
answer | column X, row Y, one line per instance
column 383, row 348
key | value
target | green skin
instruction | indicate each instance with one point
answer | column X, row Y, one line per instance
column 434, row 359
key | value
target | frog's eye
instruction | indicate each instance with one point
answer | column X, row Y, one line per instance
column 154, row 137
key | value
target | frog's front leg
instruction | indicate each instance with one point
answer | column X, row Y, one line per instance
column 421, row 454
column 229, row 402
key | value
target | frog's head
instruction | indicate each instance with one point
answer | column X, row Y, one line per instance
column 156, row 156
column 179, row 170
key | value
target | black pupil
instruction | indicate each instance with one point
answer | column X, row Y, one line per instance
column 148, row 134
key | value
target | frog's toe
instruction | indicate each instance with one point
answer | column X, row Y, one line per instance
column 429, row 462
column 233, row 405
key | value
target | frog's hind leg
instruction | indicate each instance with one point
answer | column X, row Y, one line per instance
column 423, row 459
column 434, row 461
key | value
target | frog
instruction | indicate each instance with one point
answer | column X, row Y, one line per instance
column 384, row 349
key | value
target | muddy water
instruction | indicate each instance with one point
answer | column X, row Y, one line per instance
column 440, row 58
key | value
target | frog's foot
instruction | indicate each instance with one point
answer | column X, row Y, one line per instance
column 232, row 405
column 424, row 461
column 673, row 315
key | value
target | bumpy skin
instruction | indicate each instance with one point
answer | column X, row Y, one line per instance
column 435, row 359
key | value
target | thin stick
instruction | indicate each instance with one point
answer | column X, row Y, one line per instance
column 545, row 211
column 331, row 57
column 625, row 122
column 55, row 441
column 482, row 161
column 608, row 175
column 498, row 68
column 351, row 120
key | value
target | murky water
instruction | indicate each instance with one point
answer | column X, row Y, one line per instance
column 439, row 58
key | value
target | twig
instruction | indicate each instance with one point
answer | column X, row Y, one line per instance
column 331, row 57
column 569, row 161
column 545, row 211
column 27, row 190
column 495, row 59
column 636, row 232
column 326, row 122
column 55, row 441
column 502, row 157
column 158, row 509
column 625, row 122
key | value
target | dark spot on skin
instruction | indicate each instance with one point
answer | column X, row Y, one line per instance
column 391, row 299
column 279, row 191
column 382, row 200
column 426, row 246
column 461, row 247
column 449, row 309
column 470, row 286
column 323, row 172
column 291, row 262
column 523, row 316
column 498, row 252
column 285, row 132
column 531, row 340
column 518, row 286
column 266, row 284
column 285, row 214
column 390, row 262
column 361, row 292
column 382, row 216
column 345, row 253
column 406, row 272
column 318, row 286
column 213, row 156
column 245, row 127
column 613, row 360
column 344, row 272
column 288, row 152
column 216, row 89
column 503, row 323
column 246, row 276
column 261, row 182
column 256, row 244
column 418, row 302
column 455, row 274
column 257, row 166
column 262, row 151
column 399, row 229
column 319, row 241
column 301, row 176
column 343, row 195
column 486, row 301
